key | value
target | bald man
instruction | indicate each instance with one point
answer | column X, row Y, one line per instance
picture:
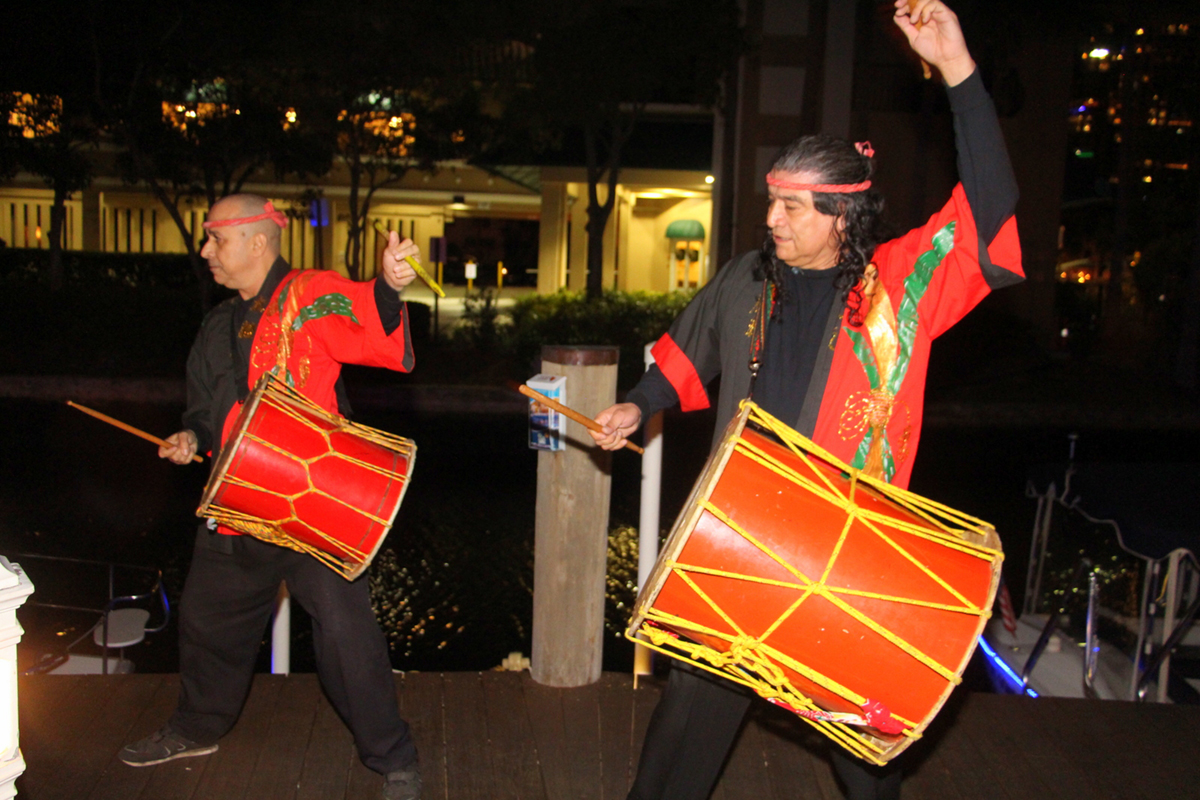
column 232, row 584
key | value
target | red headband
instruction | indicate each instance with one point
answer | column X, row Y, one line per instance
column 864, row 148
column 269, row 212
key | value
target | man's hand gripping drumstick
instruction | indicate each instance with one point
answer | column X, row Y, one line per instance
column 594, row 426
column 934, row 34
column 179, row 447
column 616, row 423
column 399, row 263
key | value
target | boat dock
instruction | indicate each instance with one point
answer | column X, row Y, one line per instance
column 500, row 736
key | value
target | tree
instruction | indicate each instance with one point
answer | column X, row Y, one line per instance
column 194, row 104
column 44, row 141
column 385, row 92
column 598, row 64
column 374, row 139
column 10, row 135
column 204, row 138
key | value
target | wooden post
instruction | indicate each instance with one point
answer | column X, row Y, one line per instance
column 571, row 528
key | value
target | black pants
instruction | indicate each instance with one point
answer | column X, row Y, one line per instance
column 694, row 727
column 228, row 600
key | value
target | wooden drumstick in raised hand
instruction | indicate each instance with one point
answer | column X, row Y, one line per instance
column 586, row 422
column 926, row 72
column 416, row 265
column 149, row 437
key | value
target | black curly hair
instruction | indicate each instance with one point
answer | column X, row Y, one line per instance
column 835, row 161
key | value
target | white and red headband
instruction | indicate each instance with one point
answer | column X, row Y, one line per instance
column 269, row 212
column 864, row 148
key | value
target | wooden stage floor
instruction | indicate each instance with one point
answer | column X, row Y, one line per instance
column 499, row 735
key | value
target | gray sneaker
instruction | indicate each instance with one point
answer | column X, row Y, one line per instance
column 403, row 785
column 162, row 745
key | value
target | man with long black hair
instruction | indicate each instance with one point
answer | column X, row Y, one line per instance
column 828, row 327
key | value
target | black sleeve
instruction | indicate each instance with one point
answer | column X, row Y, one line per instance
column 197, row 418
column 983, row 165
column 389, row 304
column 984, row 169
column 653, row 393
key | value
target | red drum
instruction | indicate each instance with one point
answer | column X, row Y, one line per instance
column 296, row 475
column 850, row 602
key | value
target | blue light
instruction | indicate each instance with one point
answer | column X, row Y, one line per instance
column 318, row 212
column 1013, row 679
column 1082, row 109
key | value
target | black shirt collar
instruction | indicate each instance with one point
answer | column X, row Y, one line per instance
column 278, row 272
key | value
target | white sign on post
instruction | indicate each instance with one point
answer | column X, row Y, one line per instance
column 472, row 270
column 547, row 427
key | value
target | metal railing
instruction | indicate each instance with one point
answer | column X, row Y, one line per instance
column 1147, row 672
column 1051, row 625
column 154, row 591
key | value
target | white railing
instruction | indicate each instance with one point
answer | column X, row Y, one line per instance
column 651, row 501
column 15, row 587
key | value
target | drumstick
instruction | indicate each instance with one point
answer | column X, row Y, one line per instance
column 416, row 265
column 149, row 437
column 927, row 73
column 586, row 422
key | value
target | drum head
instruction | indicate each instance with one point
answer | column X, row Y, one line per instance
column 853, row 603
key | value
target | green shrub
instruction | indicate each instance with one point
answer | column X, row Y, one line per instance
column 25, row 266
column 627, row 319
column 620, row 583
column 481, row 325
column 105, row 329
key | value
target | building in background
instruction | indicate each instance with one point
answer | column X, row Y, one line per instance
column 836, row 66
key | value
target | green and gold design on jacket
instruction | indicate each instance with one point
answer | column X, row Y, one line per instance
column 294, row 316
column 885, row 356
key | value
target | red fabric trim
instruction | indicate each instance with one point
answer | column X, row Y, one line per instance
column 679, row 370
column 1005, row 249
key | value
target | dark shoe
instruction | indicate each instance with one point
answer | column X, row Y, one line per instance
column 403, row 785
column 162, row 745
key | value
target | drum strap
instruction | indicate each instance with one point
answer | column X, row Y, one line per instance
column 241, row 364
column 244, row 325
column 758, row 331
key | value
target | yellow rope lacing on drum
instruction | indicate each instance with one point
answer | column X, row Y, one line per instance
column 294, row 405
column 750, row 660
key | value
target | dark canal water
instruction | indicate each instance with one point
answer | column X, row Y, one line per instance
column 463, row 540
